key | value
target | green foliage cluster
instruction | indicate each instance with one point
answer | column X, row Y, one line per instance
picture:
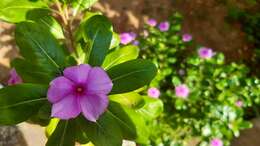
column 211, row 110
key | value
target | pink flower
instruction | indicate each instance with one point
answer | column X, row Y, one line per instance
column 164, row 26
column 216, row 142
column 182, row 91
column 239, row 103
column 186, row 37
column 205, row 53
column 153, row 92
column 82, row 89
column 152, row 22
column 126, row 37
column 14, row 78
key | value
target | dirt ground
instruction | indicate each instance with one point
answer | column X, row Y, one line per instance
column 204, row 19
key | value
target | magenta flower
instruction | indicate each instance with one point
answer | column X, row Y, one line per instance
column 82, row 89
column 153, row 92
column 14, row 78
column 216, row 142
column 205, row 53
column 239, row 103
column 182, row 91
column 186, row 37
column 164, row 26
column 152, row 22
column 127, row 37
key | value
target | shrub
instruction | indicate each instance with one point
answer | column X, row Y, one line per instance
column 203, row 97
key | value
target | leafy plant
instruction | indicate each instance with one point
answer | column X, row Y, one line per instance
column 204, row 99
column 51, row 45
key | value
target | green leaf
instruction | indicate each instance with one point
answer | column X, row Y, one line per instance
column 64, row 135
column 131, row 75
column 53, row 26
column 43, row 116
column 31, row 73
column 20, row 10
column 131, row 100
column 19, row 102
column 132, row 123
column 120, row 55
column 115, row 41
column 39, row 46
column 152, row 108
column 105, row 132
column 98, row 32
column 126, row 124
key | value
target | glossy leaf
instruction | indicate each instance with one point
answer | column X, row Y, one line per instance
column 53, row 26
column 105, row 132
column 64, row 135
column 115, row 41
column 19, row 102
column 131, row 122
column 120, row 55
column 131, row 75
column 20, row 10
column 32, row 73
column 44, row 50
column 123, row 120
column 131, row 100
column 98, row 32
column 152, row 108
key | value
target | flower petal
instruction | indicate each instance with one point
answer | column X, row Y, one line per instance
column 59, row 88
column 93, row 106
column 78, row 74
column 66, row 108
column 99, row 82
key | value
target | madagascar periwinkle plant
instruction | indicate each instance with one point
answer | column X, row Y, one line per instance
column 205, row 100
column 74, row 78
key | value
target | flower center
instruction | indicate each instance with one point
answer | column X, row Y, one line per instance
column 79, row 89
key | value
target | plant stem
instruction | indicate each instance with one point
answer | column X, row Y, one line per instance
column 57, row 3
column 64, row 14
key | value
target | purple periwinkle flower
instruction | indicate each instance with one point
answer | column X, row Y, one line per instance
column 153, row 92
column 186, row 37
column 164, row 26
column 216, row 142
column 182, row 91
column 152, row 22
column 14, row 78
column 133, row 35
column 126, row 37
column 136, row 43
column 81, row 89
column 239, row 103
column 205, row 53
